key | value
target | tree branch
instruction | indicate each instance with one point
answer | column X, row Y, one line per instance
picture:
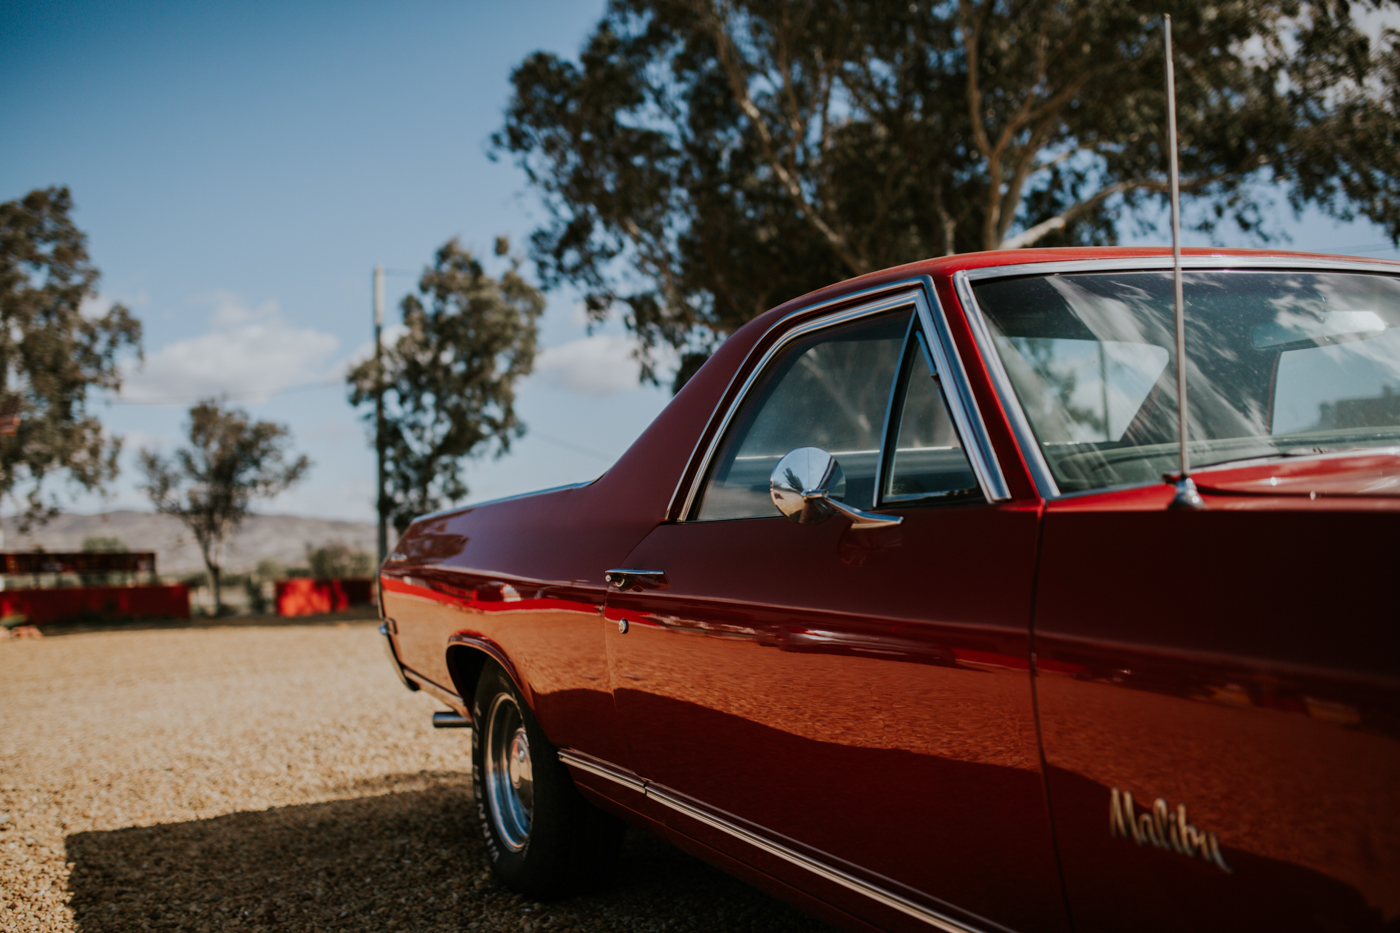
column 972, row 23
column 1024, row 168
column 1061, row 220
column 738, row 85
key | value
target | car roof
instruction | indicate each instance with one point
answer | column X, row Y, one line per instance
column 943, row 266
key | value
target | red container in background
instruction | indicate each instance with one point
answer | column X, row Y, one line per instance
column 302, row 596
column 112, row 602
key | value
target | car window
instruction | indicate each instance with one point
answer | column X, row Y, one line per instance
column 1085, row 390
column 1277, row 361
column 828, row 390
column 927, row 458
column 1350, row 385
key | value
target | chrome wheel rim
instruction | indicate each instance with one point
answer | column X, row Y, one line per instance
column 510, row 784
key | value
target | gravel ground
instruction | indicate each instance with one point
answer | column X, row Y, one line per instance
column 274, row 778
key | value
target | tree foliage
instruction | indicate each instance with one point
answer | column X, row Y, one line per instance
column 210, row 485
column 704, row 160
column 52, row 354
column 449, row 380
column 104, row 544
column 336, row 560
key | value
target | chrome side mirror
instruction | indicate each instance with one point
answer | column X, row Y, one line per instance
column 807, row 486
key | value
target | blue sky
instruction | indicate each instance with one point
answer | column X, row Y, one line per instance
column 241, row 168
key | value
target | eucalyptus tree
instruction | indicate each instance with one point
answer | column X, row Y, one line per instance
column 449, row 380
column 703, row 160
column 54, row 351
column 210, row 485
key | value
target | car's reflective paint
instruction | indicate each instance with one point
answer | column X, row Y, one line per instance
column 857, row 725
column 1372, row 474
column 937, row 716
column 1242, row 661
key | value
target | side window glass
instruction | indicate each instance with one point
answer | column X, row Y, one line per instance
column 1085, row 390
column 1344, row 386
column 927, row 459
column 830, row 390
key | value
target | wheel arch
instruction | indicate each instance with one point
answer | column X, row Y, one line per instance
column 467, row 654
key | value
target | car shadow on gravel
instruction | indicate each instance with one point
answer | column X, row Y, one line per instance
column 410, row 860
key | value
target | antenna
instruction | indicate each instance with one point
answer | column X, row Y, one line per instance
column 1186, row 495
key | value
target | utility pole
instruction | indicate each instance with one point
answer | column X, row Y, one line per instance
column 380, row 503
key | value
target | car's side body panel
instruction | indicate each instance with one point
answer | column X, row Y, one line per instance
column 1240, row 662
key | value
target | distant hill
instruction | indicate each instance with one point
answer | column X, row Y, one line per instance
column 282, row 537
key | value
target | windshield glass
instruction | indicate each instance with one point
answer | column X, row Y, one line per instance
column 1278, row 363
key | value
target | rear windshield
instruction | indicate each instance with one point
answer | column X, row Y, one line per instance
column 1278, row 364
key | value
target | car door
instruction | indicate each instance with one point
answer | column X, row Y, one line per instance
column 852, row 706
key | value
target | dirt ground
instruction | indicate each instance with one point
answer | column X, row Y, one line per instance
column 274, row 777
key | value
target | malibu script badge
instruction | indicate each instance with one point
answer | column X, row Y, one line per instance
column 1162, row 827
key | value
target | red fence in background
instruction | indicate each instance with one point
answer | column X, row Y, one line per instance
column 77, row 562
column 112, row 602
column 302, row 596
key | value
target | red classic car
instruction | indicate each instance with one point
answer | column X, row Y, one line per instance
column 888, row 612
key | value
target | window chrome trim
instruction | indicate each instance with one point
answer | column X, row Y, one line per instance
column 852, row 298
column 917, row 293
column 882, row 454
column 1158, row 263
column 961, row 404
column 830, row 873
column 1001, row 382
column 915, row 349
column 889, row 303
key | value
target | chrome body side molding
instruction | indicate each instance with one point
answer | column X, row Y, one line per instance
column 603, row 769
column 681, row 804
column 879, row 895
column 917, row 294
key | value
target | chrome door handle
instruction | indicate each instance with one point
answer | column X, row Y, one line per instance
column 624, row 579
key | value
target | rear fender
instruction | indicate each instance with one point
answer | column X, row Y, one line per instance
column 467, row 654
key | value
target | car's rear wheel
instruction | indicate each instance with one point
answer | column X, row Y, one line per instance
column 544, row 840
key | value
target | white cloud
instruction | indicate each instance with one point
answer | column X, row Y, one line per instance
column 344, row 498
column 600, row 365
column 247, row 351
column 578, row 315
column 94, row 306
column 333, row 433
column 135, row 439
